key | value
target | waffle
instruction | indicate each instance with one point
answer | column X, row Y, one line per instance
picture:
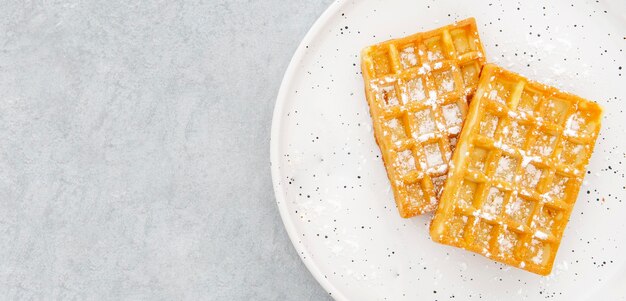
column 516, row 172
column 417, row 88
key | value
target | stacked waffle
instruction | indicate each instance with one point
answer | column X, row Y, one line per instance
column 417, row 88
column 520, row 149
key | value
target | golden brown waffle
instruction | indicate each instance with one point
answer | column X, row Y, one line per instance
column 417, row 89
column 516, row 172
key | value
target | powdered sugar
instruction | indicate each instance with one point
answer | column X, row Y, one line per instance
column 433, row 155
column 397, row 130
column 405, row 162
column 446, row 82
column 573, row 125
column 544, row 145
column 493, row 203
column 415, row 90
column 408, row 58
column 425, row 68
column 453, row 131
column 387, row 95
column 505, row 243
column 557, row 188
column 438, row 184
column 531, row 176
column 506, row 168
column 541, row 235
column 538, row 258
column 432, row 56
column 452, row 115
column 493, row 95
column 488, row 125
column 426, row 123
column 394, row 123
column 453, row 142
column 544, row 220
column 513, row 206
column 526, row 159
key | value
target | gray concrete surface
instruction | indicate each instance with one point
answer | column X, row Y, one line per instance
column 134, row 153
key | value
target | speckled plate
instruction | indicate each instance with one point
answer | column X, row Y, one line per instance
column 332, row 189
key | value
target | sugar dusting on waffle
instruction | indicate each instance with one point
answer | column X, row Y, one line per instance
column 517, row 171
column 417, row 89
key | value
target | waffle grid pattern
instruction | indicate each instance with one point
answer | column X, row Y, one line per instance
column 518, row 169
column 417, row 89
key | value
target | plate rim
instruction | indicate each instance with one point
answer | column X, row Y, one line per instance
column 277, row 118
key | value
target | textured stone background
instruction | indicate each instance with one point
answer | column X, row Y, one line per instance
column 134, row 161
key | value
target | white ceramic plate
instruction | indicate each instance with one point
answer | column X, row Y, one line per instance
column 332, row 189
